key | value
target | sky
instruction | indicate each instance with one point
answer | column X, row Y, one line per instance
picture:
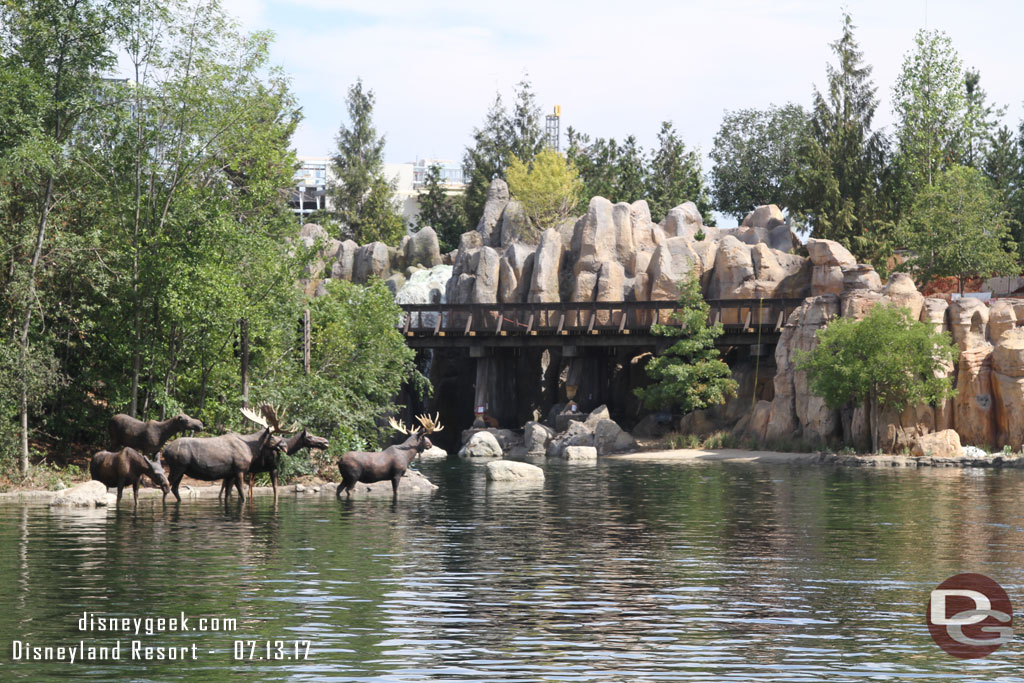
column 616, row 68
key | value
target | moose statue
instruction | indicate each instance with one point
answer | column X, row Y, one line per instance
column 271, row 417
column 126, row 466
column 226, row 457
column 391, row 463
column 147, row 437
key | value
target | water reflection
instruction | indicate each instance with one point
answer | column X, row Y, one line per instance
column 614, row 571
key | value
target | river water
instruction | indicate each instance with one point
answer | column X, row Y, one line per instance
column 617, row 571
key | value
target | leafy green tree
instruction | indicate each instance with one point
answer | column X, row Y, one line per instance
column 503, row 135
column 674, row 176
column 51, row 55
column 549, row 187
column 885, row 360
column 690, row 374
column 755, row 158
column 441, row 211
column 359, row 362
column 363, row 197
column 959, row 227
column 931, row 108
column 842, row 160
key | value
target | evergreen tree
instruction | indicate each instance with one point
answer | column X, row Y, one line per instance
column 502, row 135
column 690, row 374
column 363, row 197
column 841, row 163
column 980, row 121
column 755, row 158
column 441, row 211
column 674, row 176
column 1003, row 167
column 630, row 172
column 596, row 163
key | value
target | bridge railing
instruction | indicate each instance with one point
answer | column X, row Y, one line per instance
column 622, row 317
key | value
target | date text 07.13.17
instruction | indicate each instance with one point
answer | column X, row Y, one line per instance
column 273, row 650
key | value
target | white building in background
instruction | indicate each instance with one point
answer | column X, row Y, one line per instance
column 314, row 174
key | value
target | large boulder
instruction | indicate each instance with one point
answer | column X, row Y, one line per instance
column 944, row 444
column 795, row 410
column 765, row 216
column 580, row 453
column 89, row 494
column 488, row 271
column 683, row 221
column 598, row 233
column 423, row 249
column 861, row 276
column 497, row 199
column 344, row 260
column 515, row 225
column 482, row 444
column 902, row 291
column 546, row 265
column 1002, row 318
column 511, row 470
column 734, row 275
column 536, row 437
column 829, row 253
column 371, row 260
column 1008, row 388
column 671, row 263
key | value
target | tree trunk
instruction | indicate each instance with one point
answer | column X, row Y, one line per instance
column 243, row 331
column 23, row 352
column 873, row 420
column 305, row 341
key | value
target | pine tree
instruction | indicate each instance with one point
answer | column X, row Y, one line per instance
column 674, row 176
column 690, row 374
column 502, row 135
column 841, row 164
column 441, row 211
column 363, row 198
column 630, row 172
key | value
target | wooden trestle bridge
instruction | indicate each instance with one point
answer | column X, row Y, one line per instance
column 747, row 322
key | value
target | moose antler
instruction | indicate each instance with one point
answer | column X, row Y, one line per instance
column 255, row 417
column 401, row 428
column 275, row 416
column 430, row 424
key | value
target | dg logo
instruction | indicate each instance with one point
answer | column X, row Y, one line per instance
column 970, row 616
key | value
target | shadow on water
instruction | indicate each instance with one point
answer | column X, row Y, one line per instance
column 615, row 570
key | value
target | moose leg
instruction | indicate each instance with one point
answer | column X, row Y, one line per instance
column 120, row 488
column 251, row 478
column 135, row 491
column 394, row 486
column 238, row 485
column 175, row 479
column 273, row 482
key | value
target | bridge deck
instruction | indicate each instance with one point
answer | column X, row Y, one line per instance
column 619, row 323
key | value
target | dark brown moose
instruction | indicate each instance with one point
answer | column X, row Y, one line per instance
column 224, row 457
column 126, row 466
column 147, row 437
column 268, row 461
column 392, row 462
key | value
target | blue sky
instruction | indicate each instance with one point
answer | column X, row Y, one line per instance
column 615, row 68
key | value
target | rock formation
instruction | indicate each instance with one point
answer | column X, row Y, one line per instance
column 615, row 252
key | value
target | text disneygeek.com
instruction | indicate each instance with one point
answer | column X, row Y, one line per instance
column 140, row 648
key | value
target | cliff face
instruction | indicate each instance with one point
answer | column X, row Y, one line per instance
column 616, row 253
